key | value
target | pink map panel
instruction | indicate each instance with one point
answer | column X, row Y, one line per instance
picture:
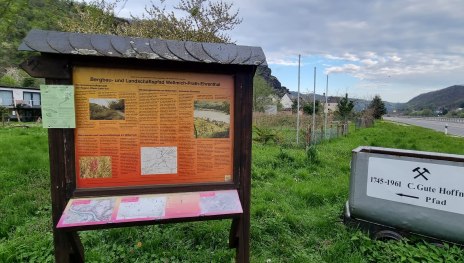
column 118, row 209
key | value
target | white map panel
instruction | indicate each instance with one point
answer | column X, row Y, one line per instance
column 158, row 160
column 219, row 202
column 143, row 207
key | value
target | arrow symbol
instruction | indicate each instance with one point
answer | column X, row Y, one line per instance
column 410, row 196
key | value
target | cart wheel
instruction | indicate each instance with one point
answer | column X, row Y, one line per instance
column 385, row 235
column 438, row 244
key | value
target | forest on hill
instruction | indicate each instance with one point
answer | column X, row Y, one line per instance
column 448, row 98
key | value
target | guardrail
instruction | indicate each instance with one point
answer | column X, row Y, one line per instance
column 442, row 119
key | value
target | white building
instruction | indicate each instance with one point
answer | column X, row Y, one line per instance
column 26, row 100
column 331, row 106
column 286, row 102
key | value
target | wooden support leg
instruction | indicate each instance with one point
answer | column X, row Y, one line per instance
column 233, row 235
column 68, row 247
column 243, row 246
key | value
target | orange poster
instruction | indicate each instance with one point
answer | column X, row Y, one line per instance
column 142, row 127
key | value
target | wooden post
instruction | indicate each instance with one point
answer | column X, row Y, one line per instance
column 67, row 245
column 244, row 82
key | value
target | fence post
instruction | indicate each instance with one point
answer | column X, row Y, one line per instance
column 330, row 132
column 308, row 136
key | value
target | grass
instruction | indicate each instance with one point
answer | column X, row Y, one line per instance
column 205, row 128
column 296, row 208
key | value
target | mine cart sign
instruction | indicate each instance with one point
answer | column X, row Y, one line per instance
column 426, row 184
column 144, row 131
column 420, row 192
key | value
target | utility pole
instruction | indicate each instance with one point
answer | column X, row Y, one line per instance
column 298, row 106
column 313, row 131
column 326, row 108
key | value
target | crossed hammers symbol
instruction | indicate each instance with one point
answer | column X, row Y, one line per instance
column 424, row 170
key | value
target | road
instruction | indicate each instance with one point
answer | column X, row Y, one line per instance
column 456, row 129
column 212, row 115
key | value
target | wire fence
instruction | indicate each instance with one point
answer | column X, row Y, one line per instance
column 281, row 129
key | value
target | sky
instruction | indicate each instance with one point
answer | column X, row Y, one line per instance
column 397, row 49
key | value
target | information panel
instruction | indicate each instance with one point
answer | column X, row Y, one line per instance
column 108, row 210
column 141, row 127
column 424, row 184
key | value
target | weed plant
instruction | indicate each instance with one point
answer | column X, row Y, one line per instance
column 296, row 207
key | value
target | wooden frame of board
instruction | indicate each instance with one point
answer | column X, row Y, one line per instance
column 61, row 54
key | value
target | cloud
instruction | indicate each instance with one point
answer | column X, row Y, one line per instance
column 347, row 68
column 369, row 62
column 395, row 58
column 282, row 62
column 404, row 43
column 346, row 56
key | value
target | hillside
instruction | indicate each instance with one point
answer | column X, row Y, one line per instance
column 266, row 73
column 448, row 98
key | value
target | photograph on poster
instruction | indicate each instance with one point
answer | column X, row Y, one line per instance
column 211, row 119
column 106, row 109
column 95, row 167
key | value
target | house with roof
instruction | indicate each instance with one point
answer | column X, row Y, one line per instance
column 286, row 102
column 22, row 103
column 332, row 104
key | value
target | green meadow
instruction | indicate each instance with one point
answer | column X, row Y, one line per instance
column 297, row 202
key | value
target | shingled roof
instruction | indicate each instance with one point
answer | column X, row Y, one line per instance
column 67, row 43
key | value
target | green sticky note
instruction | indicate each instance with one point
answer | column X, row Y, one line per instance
column 58, row 106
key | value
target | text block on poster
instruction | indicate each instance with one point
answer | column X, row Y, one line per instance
column 143, row 127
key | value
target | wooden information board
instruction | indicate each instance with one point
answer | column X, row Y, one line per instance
column 161, row 133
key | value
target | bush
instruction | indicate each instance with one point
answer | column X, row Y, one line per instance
column 264, row 135
column 312, row 154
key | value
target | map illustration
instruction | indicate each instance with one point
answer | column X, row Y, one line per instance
column 219, row 202
column 89, row 211
column 159, row 160
column 141, row 208
column 58, row 106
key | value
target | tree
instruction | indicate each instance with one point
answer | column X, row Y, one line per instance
column 262, row 94
column 345, row 108
column 17, row 17
column 3, row 112
column 308, row 108
column 96, row 17
column 13, row 77
column 295, row 104
column 378, row 107
column 199, row 20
